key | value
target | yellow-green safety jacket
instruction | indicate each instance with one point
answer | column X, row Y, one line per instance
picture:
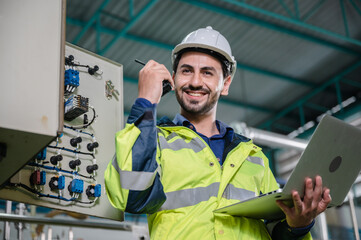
column 171, row 174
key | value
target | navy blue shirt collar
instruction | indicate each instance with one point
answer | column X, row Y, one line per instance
column 223, row 128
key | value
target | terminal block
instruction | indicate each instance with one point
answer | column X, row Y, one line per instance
column 41, row 155
column 76, row 186
column 75, row 106
column 93, row 190
column 57, row 183
column 38, row 178
column 71, row 80
column 42, row 178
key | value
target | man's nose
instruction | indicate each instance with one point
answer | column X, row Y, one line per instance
column 196, row 80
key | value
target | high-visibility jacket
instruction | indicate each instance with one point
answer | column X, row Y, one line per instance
column 171, row 174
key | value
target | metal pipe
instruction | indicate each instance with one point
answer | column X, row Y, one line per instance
column 267, row 138
column 7, row 224
column 50, row 233
column 323, row 225
column 20, row 226
column 66, row 222
column 353, row 215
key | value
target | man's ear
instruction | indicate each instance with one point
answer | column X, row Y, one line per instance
column 227, row 82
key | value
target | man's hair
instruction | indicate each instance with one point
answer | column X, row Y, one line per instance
column 226, row 66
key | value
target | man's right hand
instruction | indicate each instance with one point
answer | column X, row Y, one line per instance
column 150, row 83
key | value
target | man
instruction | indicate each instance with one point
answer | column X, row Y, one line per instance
column 180, row 171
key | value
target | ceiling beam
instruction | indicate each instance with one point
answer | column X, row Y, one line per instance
column 304, row 99
column 296, row 22
column 276, row 75
column 275, row 27
column 128, row 26
column 314, row 9
column 170, row 48
column 91, row 22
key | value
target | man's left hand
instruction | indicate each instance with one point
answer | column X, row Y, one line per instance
column 315, row 201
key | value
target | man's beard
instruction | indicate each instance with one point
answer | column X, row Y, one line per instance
column 193, row 106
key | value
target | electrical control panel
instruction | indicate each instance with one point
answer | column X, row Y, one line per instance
column 68, row 173
column 30, row 67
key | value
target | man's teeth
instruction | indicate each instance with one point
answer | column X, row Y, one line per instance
column 195, row 94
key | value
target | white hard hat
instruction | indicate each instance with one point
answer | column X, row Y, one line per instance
column 208, row 39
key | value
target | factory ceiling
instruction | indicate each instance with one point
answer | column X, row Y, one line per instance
column 296, row 60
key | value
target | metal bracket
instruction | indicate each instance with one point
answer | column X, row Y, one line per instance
column 110, row 90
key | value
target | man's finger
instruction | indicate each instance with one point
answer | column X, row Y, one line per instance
column 308, row 197
column 285, row 209
column 324, row 201
column 317, row 193
column 297, row 202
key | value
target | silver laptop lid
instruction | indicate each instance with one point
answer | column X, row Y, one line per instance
column 334, row 153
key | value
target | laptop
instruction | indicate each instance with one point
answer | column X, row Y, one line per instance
column 333, row 152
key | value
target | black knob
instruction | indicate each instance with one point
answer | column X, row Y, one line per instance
column 75, row 141
column 91, row 168
column 90, row 191
column 93, row 70
column 74, row 163
column 53, row 184
column 93, row 145
column 69, row 60
column 55, row 159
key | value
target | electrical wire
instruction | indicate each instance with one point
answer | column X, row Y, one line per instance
column 80, row 131
column 69, row 61
column 42, row 194
column 90, row 202
column 70, row 150
column 60, row 170
column 49, row 195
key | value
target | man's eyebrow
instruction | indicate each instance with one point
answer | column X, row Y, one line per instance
column 202, row 68
column 208, row 68
column 186, row 66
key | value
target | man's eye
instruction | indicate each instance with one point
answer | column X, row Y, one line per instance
column 208, row 73
column 186, row 71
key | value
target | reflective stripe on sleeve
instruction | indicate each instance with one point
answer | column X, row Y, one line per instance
column 256, row 160
column 231, row 192
column 195, row 144
column 134, row 180
column 189, row 197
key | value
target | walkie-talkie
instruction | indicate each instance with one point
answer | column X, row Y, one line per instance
column 167, row 87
